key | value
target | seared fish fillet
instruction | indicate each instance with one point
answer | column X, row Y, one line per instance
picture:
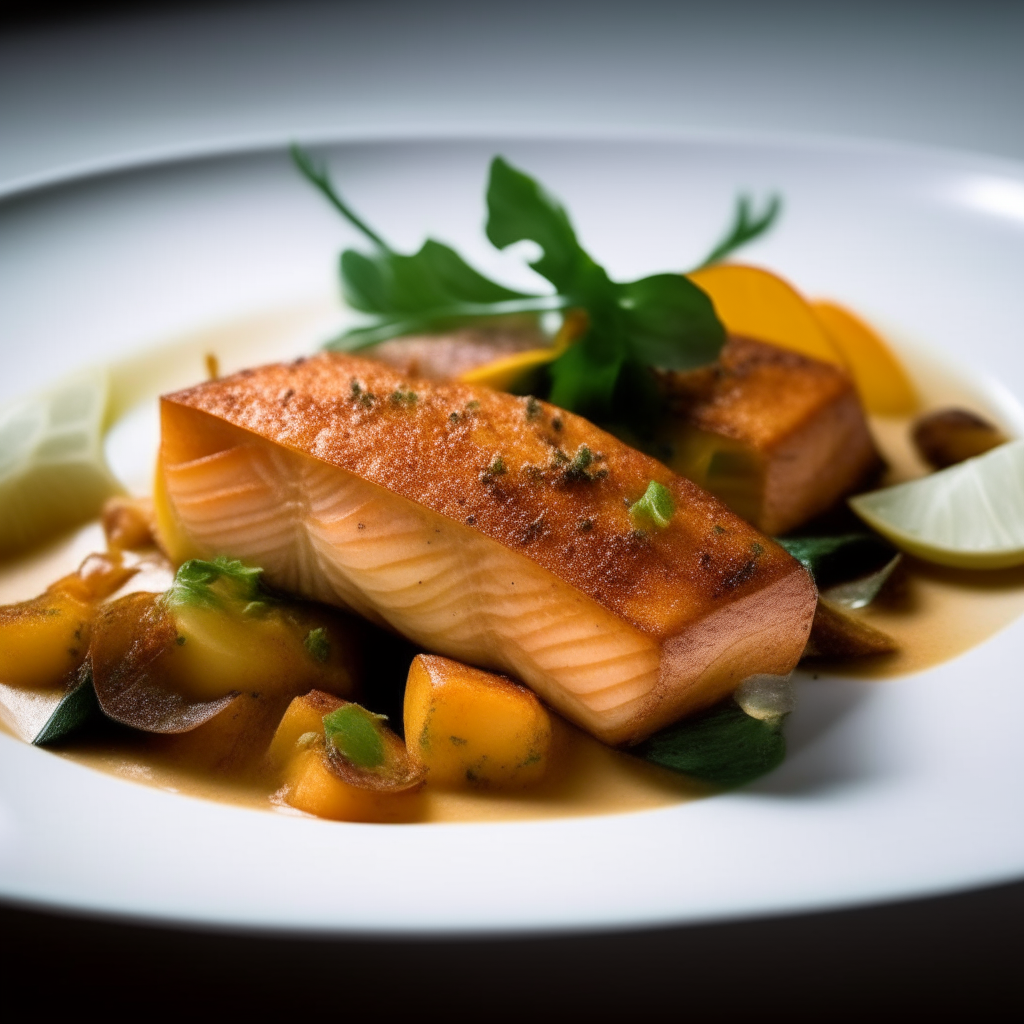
column 778, row 437
column 472, row 522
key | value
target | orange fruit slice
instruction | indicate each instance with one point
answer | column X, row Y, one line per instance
column 501, row 374
column 758, row 304
column 882, row 382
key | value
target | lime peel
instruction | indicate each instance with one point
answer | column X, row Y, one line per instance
column 969, row 516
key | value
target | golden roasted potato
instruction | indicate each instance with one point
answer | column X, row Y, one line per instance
column 43, row 640
column 339, row 761
column 474, row 729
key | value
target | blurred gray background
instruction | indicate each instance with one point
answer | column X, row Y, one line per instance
column 86, row 85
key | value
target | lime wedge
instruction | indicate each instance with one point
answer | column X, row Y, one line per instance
column 970, row 516
column 52, row 471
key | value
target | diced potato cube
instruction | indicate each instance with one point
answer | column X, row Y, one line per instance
column 335, row 789
column 43, row 640
column 305, row 715
column 474, row 729
column 220, row 649
column 312, row 787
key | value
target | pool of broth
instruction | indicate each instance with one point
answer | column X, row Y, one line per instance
column 933, row 613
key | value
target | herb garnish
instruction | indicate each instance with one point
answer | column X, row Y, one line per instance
column 655, row 508
column 579, row 468
column 77, row 709
column 837, row 558
column 664, row 321
column 745, row 228
column 355, row 734
column 195, row 580
column 723, row 746
column 318, row 645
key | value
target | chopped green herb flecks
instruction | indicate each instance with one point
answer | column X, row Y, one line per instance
column 317, row 645
column 207, row 583
column 360, row 394
column 355, row 734
column 403, row 397
column 472, row 406
column 586, row 525
column 580, row 464
column 655, row 508
column 533, row 408
column 497, row 467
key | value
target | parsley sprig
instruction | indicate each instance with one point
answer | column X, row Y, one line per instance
column 663, row 321
column 206, row 583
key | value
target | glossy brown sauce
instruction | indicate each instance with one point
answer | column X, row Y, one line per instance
column 933, row 613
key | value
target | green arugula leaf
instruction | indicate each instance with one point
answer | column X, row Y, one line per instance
column 519, row 210
column 584, row 378
column 746, row 226
column 662, row 310
column 317, row 175
column 723, row 746
column 431, row 289
column 660, row 322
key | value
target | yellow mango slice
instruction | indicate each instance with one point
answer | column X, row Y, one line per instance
column 502, row 374
column 474, row 729
column 235, row 646
column 312, row 787
column 43, row 640
column 755, row 303
column 305, row 715
column 318, row 784
column 883, row 384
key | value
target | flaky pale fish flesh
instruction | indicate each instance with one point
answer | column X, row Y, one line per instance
column 485, row 527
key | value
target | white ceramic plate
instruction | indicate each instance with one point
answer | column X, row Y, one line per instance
column 892, row 789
